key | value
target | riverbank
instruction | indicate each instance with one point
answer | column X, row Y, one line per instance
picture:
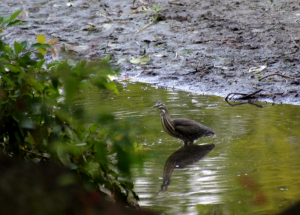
column 206, row 47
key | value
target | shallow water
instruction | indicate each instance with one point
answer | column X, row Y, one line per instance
column 253, row 169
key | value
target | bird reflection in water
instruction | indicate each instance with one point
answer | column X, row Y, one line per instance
column 184, row 156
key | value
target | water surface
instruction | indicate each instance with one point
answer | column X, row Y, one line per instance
column 253, row 169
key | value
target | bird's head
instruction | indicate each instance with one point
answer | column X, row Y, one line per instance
column 159, row 104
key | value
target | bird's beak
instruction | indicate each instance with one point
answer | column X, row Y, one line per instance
column 155, row 106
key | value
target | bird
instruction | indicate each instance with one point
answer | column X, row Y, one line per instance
column 184, row 129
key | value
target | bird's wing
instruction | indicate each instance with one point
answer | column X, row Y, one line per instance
column 186, row 126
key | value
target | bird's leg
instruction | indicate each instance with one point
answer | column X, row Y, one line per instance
column 191, row 142
column 188, row 142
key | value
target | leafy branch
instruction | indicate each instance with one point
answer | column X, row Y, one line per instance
column 38, row 115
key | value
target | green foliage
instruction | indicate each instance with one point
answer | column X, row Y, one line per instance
column 39, row 120
column 157, row 10
column 8, row 21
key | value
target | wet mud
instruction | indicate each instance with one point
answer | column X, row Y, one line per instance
column 209, row 47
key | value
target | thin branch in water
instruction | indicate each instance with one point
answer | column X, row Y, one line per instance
column 244, row 95
column 249, row 96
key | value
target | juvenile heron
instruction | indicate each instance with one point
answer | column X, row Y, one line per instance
column 184, row 129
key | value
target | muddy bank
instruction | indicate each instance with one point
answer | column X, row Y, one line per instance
column 207, row 47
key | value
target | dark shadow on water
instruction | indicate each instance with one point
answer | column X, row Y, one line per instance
column 183, row 157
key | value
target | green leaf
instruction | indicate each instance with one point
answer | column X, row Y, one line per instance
column 40, row 64
column 20, row 80
column 55, row 82
column 4, row 101
column 14, row 15
column 17, row 94
column 13, row 68
column 111, row 86
column 24, row 44
column 42, row 50
column 134, row 144
column 4, row 21
column 13, row 23
column 101, row 152
column 81, row 64
column 39, row 55
column 5, row 59
column 41, row 38
column 26, row 61
column 27, row 123
column 70, row 89
column 93, row 127
column 39, row 45
column 63, row 155
column 18, row 48
column 52, row 64
column 106, row 59
column 36, row 46
column 35, row 84
column 51, row 92
column 8, row 81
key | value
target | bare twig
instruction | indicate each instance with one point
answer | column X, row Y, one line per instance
column 105, row 17
column 294, row 41
column 145, row 3
column 145, row 26
column 175, row 56
column 272, row 27
column 249, row 96
column 136, row 75
column 270, row 94
column 176, row 3
column 277, row 74
column 259, row 88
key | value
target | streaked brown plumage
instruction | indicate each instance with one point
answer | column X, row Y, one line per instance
column 184, row 129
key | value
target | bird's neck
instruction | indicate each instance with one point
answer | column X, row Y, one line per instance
column 165, row 114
